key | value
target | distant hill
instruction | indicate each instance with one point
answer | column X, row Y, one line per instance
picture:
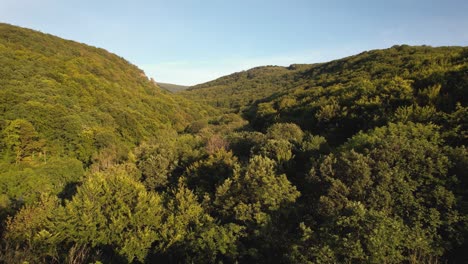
column 172, row 87
column 237, row 90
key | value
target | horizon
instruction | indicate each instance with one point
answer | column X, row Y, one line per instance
column 188, row 43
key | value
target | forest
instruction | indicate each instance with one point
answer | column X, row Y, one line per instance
column 357, row 160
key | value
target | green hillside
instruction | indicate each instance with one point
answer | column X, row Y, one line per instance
column 354, row 91
column 370, row 89
column 72, row 93
column 172, row 87
column 66, row 108
column 242, row 89
column 358, row 160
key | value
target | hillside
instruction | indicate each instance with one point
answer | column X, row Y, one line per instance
column 172, row 87
column 242, row 89
column 66, row 107
column 402, row 83
column 316, row 96
column 71, row 92
column 358, row 160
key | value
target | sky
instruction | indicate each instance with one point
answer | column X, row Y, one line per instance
column 193, row 41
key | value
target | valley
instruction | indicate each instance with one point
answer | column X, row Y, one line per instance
column 357, row 160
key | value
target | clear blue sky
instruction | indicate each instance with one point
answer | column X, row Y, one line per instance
column 193, row 41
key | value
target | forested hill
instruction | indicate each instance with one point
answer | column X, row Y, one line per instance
column 421, row 64
column 235, row 91
column 79, row 98
column 341, row 97
column 66, row 108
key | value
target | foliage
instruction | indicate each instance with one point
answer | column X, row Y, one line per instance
column 250, row 196
column 358, row 160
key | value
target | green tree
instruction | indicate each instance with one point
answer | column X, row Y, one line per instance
column 27, row 237
column 206, row 174
column 112, row 210
column 21, row 139
column 251, row 196
column 156, row 163
column 190, row 234
column 277, row 150
column 285, row 131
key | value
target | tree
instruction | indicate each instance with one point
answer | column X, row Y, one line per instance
column 111, row 210
column 251, row 196
column 260, row 200
column 277, row 150
column 21, row 138
column 156, row 162
column 216, row 143
column 285, row 131
column 206, row 174
column 356, row 235
column 27, row 236
column 190, row 234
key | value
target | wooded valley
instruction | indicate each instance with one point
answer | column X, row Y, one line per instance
column 357, row 160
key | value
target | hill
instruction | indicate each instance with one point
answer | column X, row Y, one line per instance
column 315, row 96
column 66, row 107
column 339, row 98
column 70, row 92
column 240, row 89
column 172, row 87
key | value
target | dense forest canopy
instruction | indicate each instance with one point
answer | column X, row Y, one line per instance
column 358, row 160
